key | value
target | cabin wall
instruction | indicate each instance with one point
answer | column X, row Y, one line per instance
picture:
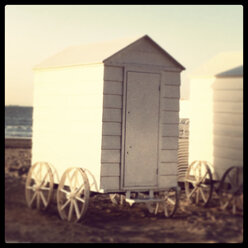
column 67, row 117
column 228, row 123
column 169, row 129
column 112, row 127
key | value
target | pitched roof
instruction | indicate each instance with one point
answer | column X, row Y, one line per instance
column 235, row 72
column 95, row 53
column 221, row 62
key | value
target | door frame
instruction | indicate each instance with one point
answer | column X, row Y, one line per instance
column 123, row 125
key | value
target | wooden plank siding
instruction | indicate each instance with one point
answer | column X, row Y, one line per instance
column 228, row 130
column 228, row 141
column 169, row 131
column 228, row 153
column 228, row 107
column 228, row 118
column 228, row 84
column 225, row 163
column 228, row 123
column 112, row 121
column 111, row 128
column 228, row 95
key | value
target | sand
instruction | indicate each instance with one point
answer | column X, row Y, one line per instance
column 105, row 222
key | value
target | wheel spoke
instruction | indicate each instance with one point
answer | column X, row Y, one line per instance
column 76, row 180
column 35, row 176
column 70, row 211
column 70, row 181
column 156, row 208
column 199, row 169
column 44, row 188
column 203, row 178
column 30, row 187
column 80, row 199
column 79, row 190
column 64, row 191
column 76, row 209
column 73, row 179
column 74, row 206
column 224, row 205
column 44, row 179
column 39, row 180
column 190, row 180
column 65, row 204
column 171, row 201
column 192, row 192
column 202, row 194
column 43, row 199
column 38, row 200
column 197, row 196
column 166, row 210
column 34, row 195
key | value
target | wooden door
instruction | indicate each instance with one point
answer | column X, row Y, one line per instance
column 141, row 129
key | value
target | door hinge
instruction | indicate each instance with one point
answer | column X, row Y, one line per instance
column 157, row 171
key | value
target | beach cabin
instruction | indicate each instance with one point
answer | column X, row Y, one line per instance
column 228, row 120
column 212, row 107
column 110, row 108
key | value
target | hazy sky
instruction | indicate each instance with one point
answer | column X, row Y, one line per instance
column 192, row 34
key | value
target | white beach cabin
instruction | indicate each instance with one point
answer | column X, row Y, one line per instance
column 215, row 133
column 201, row 134
column 112, row 109
column 228, row 120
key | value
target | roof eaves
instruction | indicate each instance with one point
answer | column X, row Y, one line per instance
column 166, row 53
column 235, row 72
column 64, row 66
column 130, row 44
column 147, row 37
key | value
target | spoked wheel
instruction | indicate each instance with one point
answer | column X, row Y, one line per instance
column 92, row 181
column 231, row 189
column 39, row 186
column 199, row 183
column 167, row 206
column 73, row 195
column 117, row 199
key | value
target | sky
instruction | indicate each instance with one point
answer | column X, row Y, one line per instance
column 192, row 34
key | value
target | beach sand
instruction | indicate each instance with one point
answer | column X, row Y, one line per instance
column 17, row 157
column 105, row 222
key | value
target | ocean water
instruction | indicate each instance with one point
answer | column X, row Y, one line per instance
column 18, row 122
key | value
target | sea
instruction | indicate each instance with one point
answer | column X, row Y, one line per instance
column 18, row 122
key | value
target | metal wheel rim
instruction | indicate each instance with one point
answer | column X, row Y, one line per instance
column 39, row 186
column 231, row 189
column 73, row 195
column 199, row 177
